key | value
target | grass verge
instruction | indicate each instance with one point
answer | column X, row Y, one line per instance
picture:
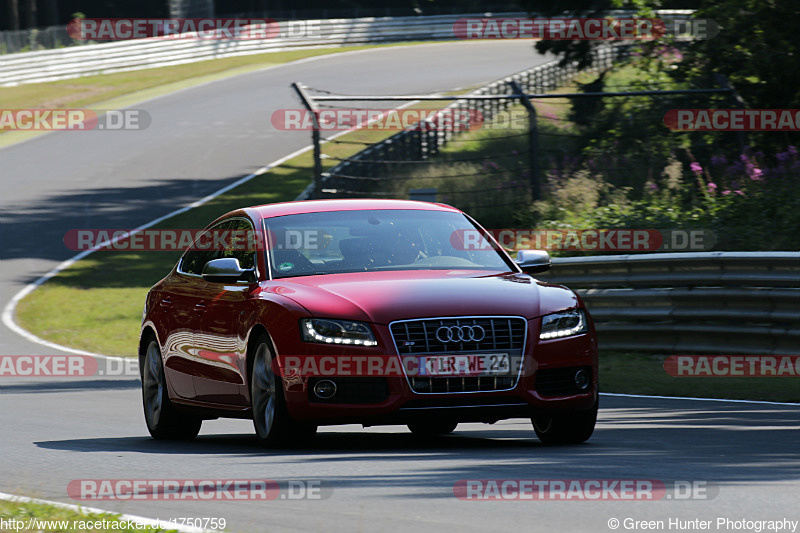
column 39, row 517
column 640, row 373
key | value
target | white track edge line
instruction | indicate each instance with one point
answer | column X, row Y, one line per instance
column 763, row 402
column 92, row 510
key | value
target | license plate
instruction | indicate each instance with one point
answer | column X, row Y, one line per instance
column 489, row 364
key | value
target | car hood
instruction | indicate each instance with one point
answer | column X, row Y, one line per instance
column 381, row 297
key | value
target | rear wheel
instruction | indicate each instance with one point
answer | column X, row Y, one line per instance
column 431, row 428
column 163, row 420
column 567, row 427
column 271, row 420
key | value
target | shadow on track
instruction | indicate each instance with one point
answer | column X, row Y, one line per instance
column 635, row 439
column 70, row 386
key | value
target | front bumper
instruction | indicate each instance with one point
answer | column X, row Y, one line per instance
column 545, row 383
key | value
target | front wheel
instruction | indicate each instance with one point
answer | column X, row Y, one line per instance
column 271, row 420
column 163, row 420
column 568, row 427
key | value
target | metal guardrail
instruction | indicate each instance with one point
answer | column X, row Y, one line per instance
column 107, row 58
column 736, row 302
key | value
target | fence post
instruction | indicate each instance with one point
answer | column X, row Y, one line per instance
column 738, row 102
column 533, row 141
column 309, row 105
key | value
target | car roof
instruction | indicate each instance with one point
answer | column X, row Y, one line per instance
column 352, row 204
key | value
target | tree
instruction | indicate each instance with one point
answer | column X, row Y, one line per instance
column 756, row 50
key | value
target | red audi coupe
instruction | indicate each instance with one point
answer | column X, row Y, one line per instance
column 375, row 312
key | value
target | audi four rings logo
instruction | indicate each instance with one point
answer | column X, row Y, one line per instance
column 460, row 333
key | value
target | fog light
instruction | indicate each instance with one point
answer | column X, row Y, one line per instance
column 581, row 380
column 325, row 389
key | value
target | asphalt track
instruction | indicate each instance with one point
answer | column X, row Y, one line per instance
column 381, row 478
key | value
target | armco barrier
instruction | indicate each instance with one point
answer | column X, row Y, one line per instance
column 107, row 58
column 737, row 302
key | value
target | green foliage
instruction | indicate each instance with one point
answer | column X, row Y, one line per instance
column 757, row 50
column 747, row 204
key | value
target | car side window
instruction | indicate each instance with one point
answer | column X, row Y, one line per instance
column 240, row 243
column 230, row 238
column 193, row 261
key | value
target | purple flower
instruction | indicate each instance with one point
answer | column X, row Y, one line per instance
column 726, row 192
column 696, row 168
column 653, row 187
column 756, row 174
column 718, row 160
column 735, row 169
column 739, row 192
column 712, row 186
column 792, row 150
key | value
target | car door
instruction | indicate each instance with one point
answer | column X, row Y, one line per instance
column 185, row 302
column 180, row 305
column 221, row 367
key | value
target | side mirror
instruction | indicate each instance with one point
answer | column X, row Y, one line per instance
column 533, row 261
column 227, row 270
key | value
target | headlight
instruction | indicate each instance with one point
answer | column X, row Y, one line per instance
column 330, row 331
column 563, row 324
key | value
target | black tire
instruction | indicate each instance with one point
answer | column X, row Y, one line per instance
column 271, row 420
column 432, row 428
column 164, row 422
column 565, row 427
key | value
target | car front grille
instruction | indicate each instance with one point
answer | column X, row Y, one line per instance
column 500, row 335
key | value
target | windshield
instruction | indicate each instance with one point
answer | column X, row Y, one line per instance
column 372, row 240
